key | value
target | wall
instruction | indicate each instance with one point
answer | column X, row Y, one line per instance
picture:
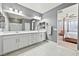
column 51, row 18
column 26, row 11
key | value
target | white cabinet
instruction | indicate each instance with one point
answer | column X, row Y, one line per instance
column 23, row 40
column 30, row 38
column 9, row 43
column 0, row 45
column 40, row 37
column 36, row 38
column 43, row 36
column 14, row 42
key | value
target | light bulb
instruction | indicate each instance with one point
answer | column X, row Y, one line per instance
column 20, row 12
column 11, row 9
column 16, row 10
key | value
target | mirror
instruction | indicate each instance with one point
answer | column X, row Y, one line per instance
column 67, row 27
column 2, row 22
column 15, row 24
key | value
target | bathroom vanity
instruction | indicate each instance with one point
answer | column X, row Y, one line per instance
column 15, row 40
column 17, row 29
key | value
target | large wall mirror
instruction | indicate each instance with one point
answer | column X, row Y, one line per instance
column 2, row 22
column 67, row 27
column 15, row 24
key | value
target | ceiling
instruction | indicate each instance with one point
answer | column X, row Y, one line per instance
column 40, row 7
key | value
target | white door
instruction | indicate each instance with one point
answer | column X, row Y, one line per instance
column 9, row 44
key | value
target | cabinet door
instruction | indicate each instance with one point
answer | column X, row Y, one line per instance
column 36, row 37
column 26, row 39
column 23, row 40
column 30, row 36
column 19, row 41
column 0, row 45
column 43, row 36
column 40, row 37
column 9, row 44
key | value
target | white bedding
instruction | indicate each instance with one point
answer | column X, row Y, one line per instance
column 71, row 35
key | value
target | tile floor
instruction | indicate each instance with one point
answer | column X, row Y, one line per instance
column 46, row 48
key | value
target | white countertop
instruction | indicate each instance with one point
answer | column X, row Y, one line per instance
column 20, row 32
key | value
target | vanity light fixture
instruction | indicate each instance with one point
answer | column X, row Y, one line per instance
column 20, row 12
column 11, row 9
column 37, row 17
column 16, row 10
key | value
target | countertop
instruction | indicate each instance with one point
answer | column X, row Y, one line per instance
column 19, row 32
